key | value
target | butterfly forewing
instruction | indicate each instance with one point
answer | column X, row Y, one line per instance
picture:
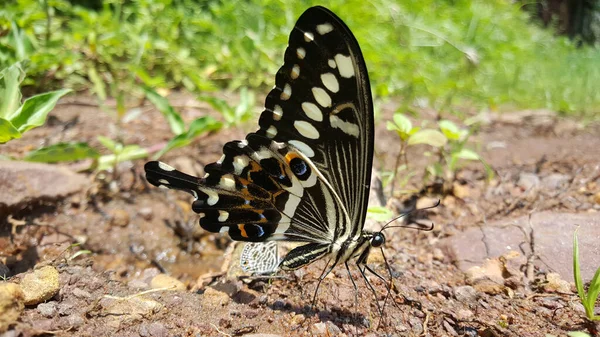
column 322, row 105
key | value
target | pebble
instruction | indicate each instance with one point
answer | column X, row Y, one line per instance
column 528, row 180
column 119, row 217
column 80, row 293
column 48, row 309
column 166, row 281
column 153, row 330
column 11, row 304
column 556, row 284
column 40, row 285
column 465, row 294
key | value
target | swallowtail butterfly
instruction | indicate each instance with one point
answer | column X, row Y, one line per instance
column 304, row 175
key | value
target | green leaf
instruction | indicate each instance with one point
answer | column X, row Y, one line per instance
column 34, row 110
column 404, row 124
column 99, row 86
column 20, row 41
column 7, row 131
column 429, row 137
column 450, row 130
column 244, row 108
column 577, row 334
column 162, row 104
column 466, row 154
column 221, row 106
column 10, row 95
column 129, row 152
column 379, row 213
column 108, row 143
column 62, row 152
column 198, row 127
column 592, row 296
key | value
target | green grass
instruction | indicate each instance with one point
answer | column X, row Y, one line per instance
column 448, row 55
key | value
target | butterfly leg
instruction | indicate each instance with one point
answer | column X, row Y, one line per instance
column 353, row 284
column 324, row 274
column 362, row 272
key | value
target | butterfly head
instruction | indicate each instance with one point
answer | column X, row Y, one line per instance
column 377, row 240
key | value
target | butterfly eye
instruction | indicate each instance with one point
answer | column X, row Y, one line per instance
column 300, row 169
column 378, row 240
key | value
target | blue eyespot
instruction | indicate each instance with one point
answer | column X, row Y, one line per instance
column 300, row 169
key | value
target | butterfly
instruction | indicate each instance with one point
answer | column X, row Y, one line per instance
column 305, row 174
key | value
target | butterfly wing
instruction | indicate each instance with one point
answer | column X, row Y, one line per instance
column 305, row 174
column 322, row 105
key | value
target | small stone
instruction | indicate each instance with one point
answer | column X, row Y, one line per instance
column 597, row 198
column 40, row 285
column 11, row 304
column 75, row 321
column 528, row 180
column 438, row 254
column 153, row 330
column 555, row 181
column 465, row 294
column 461, row 191
column 216, row 296
column 47, row 309
column 119, row 217
column 146, row 213
column 134, row 306
column 492, row 270
column 80, row 293
column 464, row 314
column 166, row 281
column 556, row 284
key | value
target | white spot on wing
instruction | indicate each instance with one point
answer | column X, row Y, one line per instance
column 286, row 93
column 272, row 131
column 223, row 215
column 295, row 72
column 346, row 127
column 321, row 97
column 240, row 163
column 303, row 147
column 165, row 167
column 308, row 36
column 324, row 28
column 277, row 112
column 227, row 182
column 306, row 129
column 332, row 64
column 220, row 161
column 345, row 65
column 330, row 82
column 312, row 111
column 163, row 181
column 213, row 197
column 224, row 229
column 301, row 53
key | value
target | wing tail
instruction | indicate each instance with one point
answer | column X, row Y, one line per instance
column 160, row 174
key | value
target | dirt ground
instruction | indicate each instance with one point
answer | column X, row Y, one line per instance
column 134, row 231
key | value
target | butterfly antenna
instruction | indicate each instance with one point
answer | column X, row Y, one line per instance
column 387, row 225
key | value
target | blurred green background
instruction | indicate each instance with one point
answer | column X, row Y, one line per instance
column 446, row 55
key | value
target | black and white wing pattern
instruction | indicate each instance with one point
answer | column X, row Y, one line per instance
column 260, row 258
column 305, row 174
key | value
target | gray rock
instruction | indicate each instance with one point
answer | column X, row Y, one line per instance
column 553, row 234
column 47, row 309
column 25, row 183
column 528, row 180
column 465, row 294
column 153, row 330
column 555, row 181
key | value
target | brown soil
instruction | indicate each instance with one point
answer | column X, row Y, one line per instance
column 135, row 231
